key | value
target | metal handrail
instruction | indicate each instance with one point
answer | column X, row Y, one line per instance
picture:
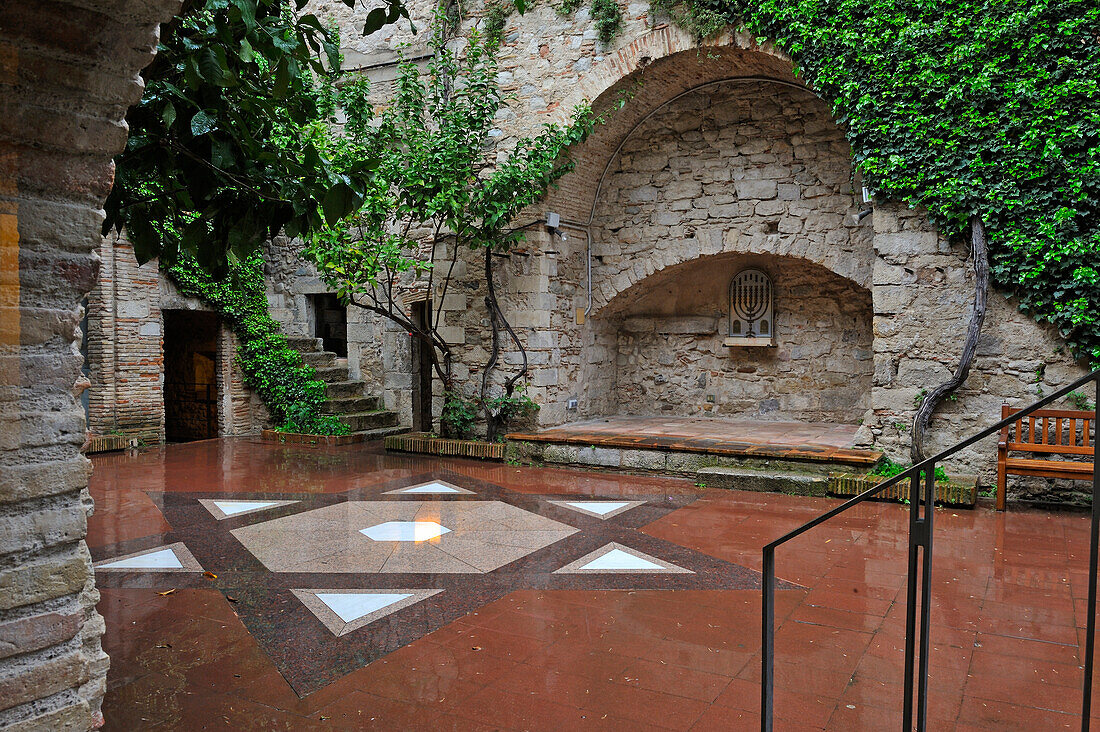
column 920, row 552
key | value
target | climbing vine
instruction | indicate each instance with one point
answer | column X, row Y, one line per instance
column 969, row 108
column 607, row 16
column 288, row 387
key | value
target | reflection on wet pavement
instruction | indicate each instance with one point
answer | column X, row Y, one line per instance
column 527, row 647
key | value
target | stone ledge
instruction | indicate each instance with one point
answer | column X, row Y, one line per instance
column 959, row 491
column 800, row 484
column 295, row 438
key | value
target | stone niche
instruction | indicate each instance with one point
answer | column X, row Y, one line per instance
column 671, row 357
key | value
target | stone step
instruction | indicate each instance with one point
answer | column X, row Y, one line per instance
column 351, row 404
column 345, row 389
column 380, row 432
column 747, row 479
column 332, row 374
column 304, row 344
column 318, row 359
column 361, row 421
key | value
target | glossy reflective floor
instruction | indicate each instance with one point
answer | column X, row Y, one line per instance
column 524, row 598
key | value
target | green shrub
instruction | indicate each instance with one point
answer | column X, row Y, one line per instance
column 889, row 469
column 458, row 416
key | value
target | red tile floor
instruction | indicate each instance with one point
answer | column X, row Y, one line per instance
column 1007, row 618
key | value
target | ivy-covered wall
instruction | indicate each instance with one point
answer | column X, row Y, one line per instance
column 915, row 266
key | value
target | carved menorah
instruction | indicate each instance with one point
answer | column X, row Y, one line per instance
column 751, row 297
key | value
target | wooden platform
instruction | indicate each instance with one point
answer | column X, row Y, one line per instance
column 797, row 442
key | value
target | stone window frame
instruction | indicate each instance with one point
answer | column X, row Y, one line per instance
column 736, row 335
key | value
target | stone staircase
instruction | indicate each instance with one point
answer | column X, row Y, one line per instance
column 347, row 399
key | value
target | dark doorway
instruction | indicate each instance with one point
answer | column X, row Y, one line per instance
column 190, row 381
column 421, row 372
column 330, row 323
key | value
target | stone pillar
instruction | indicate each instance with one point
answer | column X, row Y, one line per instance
column 67, row 76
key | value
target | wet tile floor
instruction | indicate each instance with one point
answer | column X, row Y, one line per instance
column 653, row 624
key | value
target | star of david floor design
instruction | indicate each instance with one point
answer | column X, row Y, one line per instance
column 328, row 583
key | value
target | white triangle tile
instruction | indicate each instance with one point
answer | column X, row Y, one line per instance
column 171, row 558
column 342, row 611
column 616, row 558
column 352, row 607
column 435, row 487
column 223, row 508
column 599, row 509
column 162, row 559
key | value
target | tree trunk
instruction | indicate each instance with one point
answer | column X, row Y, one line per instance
column 970, row 346
column 496, row 421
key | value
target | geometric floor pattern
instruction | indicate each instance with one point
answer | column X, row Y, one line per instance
column 559, row 651
column 328, row 583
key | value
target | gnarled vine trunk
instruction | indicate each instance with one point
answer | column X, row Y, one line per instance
column 970, row 346
column 496, row 421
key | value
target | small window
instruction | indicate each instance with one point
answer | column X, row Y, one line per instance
column 751, row 309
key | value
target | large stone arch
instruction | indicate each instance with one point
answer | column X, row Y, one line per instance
column 68, row 73
column 648, row 72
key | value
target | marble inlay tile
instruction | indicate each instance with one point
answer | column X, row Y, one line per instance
column 432, row 487
column 222, row 508
column 171, row 558
column 401, row 536
column 599, row 509
column 325, row 578
column 405, row 531
column 616, row 558
column 342, row 611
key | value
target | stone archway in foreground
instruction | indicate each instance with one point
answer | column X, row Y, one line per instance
column 68, row 73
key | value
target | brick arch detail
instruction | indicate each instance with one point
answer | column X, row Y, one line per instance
column 658, row 44
column 610, row 289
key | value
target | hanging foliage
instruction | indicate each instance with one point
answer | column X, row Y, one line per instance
column 973, row 107
column 220, row 154
column 288, row 387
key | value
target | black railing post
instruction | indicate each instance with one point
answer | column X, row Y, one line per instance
column 926, row 595
column 920, row 550
column 911, row 598
column 1094, row 532
column 767, row 642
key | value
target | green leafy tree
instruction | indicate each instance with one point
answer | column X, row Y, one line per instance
column 441, row 186
column 223, row 147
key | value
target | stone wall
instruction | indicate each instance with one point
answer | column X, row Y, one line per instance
column 720, row 152
column 671, row 357
column 67, row 76
column 124, row 353
column 923, row 296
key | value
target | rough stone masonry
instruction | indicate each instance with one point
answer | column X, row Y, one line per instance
column 67, row 75
column 721, row 159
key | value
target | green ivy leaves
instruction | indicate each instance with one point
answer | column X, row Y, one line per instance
column 288, row 387
column 961, row 107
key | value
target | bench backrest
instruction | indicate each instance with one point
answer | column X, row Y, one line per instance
column 1064, row 431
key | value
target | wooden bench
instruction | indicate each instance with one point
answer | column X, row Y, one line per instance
column 1044, row 432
